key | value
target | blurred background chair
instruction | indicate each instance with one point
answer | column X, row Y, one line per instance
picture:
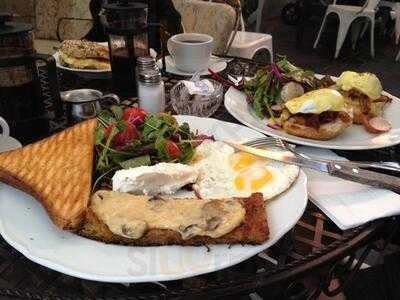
column 347, row 14
column 256, row 16
column 225, row 23
column 215, row 19
column 245, row 43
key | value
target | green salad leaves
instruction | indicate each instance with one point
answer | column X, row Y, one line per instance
column 264, row 89
column 132, row 138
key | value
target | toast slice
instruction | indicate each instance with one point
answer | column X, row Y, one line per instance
column 57, row 171
column 253, row 230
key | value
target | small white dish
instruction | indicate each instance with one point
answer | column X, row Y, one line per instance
column 9, row 143
column 216, row 64
column 63, row 251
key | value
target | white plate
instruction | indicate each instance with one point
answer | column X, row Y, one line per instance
column 9, row 143
column 216, row 64
column 84, row 73
column 90, row 73
column 353, row 138
column 25, row 225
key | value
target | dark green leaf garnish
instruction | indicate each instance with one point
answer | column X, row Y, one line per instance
column 136, row 162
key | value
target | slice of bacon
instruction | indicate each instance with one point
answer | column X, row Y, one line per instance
column 365, row 105
column 316, row 120
column 383, row 98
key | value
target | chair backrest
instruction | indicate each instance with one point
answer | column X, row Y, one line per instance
column 48, row 13
column 215, row 19
column 368, row 4
column 372, row 4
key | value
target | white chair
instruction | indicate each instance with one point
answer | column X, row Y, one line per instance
column 256, row 16
column 347, row 14
column 246, row 44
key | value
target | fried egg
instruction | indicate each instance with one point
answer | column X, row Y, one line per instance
column 225, row 173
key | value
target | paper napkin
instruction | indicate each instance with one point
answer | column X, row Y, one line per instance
column 347, row 204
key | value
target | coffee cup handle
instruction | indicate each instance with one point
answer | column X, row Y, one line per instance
column 5, row 128
column 171, row 48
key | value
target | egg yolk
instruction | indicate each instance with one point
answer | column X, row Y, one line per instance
column 255, row 177
column 243, row 160
column 240, row 183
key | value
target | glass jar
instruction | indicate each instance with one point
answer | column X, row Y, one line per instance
column 185, row 103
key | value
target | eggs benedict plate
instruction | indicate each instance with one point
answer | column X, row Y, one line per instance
column 342, row 136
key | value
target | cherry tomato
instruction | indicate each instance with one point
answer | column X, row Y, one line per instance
column 173, row 149
column 127, row 135
column 122, row 138
column 134, row 115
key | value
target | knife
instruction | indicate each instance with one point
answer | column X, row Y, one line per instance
column 336, row 168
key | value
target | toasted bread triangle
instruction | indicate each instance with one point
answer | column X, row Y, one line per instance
column 57, row 171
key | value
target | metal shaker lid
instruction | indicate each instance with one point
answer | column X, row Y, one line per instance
column 150, row 77
column 145, row 61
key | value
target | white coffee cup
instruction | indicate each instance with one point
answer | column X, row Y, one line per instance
column 191, row 52
column 5, row 130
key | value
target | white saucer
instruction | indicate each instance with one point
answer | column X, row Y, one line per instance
column 8, row 144
column 216, row 64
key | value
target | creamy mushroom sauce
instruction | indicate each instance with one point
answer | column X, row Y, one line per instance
column 131, row 216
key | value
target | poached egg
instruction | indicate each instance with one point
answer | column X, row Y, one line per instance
column 162, row 178
column 316, row 102
column 367, row 83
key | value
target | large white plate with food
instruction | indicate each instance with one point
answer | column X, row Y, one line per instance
column 26, row 226
column 354, row 138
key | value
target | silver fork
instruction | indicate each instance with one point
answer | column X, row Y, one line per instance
column 278, row 143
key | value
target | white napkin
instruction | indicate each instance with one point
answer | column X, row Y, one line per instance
column 347, row 204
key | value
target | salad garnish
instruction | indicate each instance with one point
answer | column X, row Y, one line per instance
column 131, row 137
column 277, row 83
